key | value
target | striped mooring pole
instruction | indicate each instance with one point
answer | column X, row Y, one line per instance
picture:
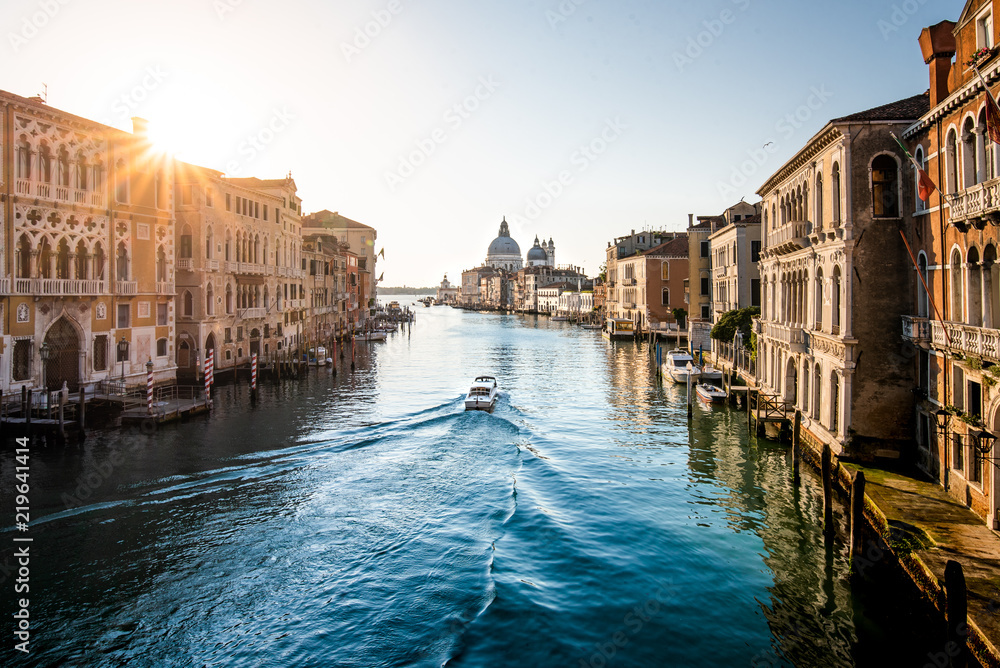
column 209, row 374
column 149, row 388
column 253, row 372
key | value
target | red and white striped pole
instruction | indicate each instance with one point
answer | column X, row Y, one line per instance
column 149, row 387
column 253, row 372
column 209, row 375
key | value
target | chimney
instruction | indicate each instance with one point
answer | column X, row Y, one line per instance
column 937, row 44
column 690, row 220
column 140, row 127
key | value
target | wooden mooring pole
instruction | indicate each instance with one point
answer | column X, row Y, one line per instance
column 956, row 613
column 796, row 435
column 857, row 517
column 827, row 470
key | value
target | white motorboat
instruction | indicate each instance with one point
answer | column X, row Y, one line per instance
column 710, row 373
column 482, row 395
column 679, row 365
column 371, row 336
column 591, row 326
column 710, row 393
column 559, row 318
column 317, row 356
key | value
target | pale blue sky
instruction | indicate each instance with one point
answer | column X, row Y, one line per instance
column 449, row 115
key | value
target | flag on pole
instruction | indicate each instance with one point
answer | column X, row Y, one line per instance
column 992, row 111
column 925, row 187
column 382, row 252
column 380, row 277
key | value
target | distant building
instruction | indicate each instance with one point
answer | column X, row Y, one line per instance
column 361, row 240
column 504, row 253
column 446, row 292
column 735, row 245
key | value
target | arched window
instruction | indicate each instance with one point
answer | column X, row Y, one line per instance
column 161, row 265
column 817, row 391
column 835, row 193
column 922, row 300
column 121, row 182
column 44, row 163
column 974, row 309
column 229, row 299
column 208, row 242
column 187, row 243
column 819, row 203
column 81, row 261
column 99, row 262
column 834, row 402
column 23, row 257
column 835, row 305
column 187, row 309
column 62, row 260
column 81, row 171
column 970, row 157
column 97, row 171
column 229, row 243
column 23, row 158
column 121, row 266
column 918, row 204
column 209, row 300
column 986, row 151
column 805, row 387
column 991, row 287
column 818, row 299
column 885, row 196
column 63, row 175
column 957, row 287
column 161, row 347
column 950, row 158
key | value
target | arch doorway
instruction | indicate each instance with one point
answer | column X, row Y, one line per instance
column 63, row 365
column 791, row 382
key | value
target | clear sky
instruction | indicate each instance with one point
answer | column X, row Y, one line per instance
column 430, row 120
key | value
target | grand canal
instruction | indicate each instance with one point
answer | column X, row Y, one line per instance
column 365, row 519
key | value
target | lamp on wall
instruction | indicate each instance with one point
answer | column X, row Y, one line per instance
column 123, row 353
column 43, row 354
column 942, row 418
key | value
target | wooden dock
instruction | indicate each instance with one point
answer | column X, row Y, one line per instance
column 172, row 402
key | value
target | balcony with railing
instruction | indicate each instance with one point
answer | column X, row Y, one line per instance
column 975, row 206
column 127, row 288
column 212, row 265
column 165, row 288
column 55, row 287
column 796, row 338
column 966, row 339
column 253, row 313
column 789, row 237
column 916, row 330
column 27, row 188
column 185, row 264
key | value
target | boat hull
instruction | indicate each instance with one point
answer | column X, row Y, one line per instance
column 710, row 393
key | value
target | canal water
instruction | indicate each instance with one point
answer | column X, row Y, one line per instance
column 366, row 519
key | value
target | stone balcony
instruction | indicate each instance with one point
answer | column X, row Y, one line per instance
column 55, row 287
column 795, row 338
column 253, row 313
column 789, row 237
column 127, row 288
column 975, row 206
column 916, row 330
column 26, row 188
column 966, row 339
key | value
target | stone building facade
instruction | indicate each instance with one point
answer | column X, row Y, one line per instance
column 88, row 250
column 953, row 326
column 835, row 279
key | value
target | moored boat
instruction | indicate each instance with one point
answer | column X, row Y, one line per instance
column 482, row 395
column 710, row 373
column 679, row 366
column 619, row 328
column 370, row 336
column 710, row 393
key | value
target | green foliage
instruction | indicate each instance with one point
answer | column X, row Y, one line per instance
column 974, row 363
column 679, row 315
column 733, row 321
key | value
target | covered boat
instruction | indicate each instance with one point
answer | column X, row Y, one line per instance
column 679, row 365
